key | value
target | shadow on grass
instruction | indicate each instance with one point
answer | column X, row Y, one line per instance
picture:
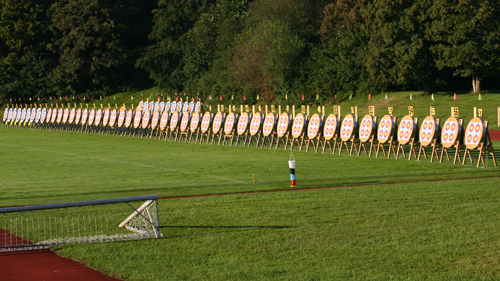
column 227, row 226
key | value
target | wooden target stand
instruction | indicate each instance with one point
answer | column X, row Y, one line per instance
column 162, row 130
column 331, row 132
column 314, row 130
column 385, row 134
column 407, row 133
column 255, row 128
column 206, row 126
column 429, row 131
column 298, row 130
column 195, row 126
column 477, row 137
column 145, row 124
column 184, row 126
column 283, row 129
column 451, row 136
column 173, row 128
column 243, row 127
column 217, row 127
column 367, row 134
column 269, row 129
column 230, row 128
column 155, row 120
column 348, row 133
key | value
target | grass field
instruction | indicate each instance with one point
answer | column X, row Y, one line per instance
column 439, row 221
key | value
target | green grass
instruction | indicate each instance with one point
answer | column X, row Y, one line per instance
column 439, row 222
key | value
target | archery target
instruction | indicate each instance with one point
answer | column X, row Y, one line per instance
column 218, row 120
column 38, row 115
column 33, row 115
column 348, row 127
column 167, row 106
column 156, row 107
column 140, row 106
column 229, row 124
column 105, row 118
column 43, row 115
column 475, row 133
column 145, row 106
column 28, row 115
column 174, row 121
column 367, row 128
column 314, row 126
column 49, row 115
column 283, row 124
column 59, row 115
column 9, row 117
column 72, row 114
column 155, row 119
column 151, row 106
column 185, row 107
column 53, row 118
column 256, row 123
column 243, row 123
column 98, row 117
column 191, row 106
column 173, row 107
column 162, row 106
column 180, row 107
column 206, row 121
column 112, row 117
column 65, row 115
column 385, row 129
column 5, row 114
column 406, row 129
column 451, row 132
column 90, row 121
column 269, row 124
column 17, row 114
column 195, row 121
column 428, row 130
column 185, row 121
column 129, row 118
column 23, row 115
column 198, row 107
column 164, row 120
column 331, row 124
column 12, row 115
column 121, row 117
column 145, row 119
column 78, row 115
column 137, row 119
column 85, row 115
column 298, row 125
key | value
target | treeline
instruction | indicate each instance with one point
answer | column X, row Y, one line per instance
column 274, row 49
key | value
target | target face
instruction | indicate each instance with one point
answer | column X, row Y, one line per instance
column 145, row 119
column 348, row 127
column 151, row 106
column 128, row 118
column 28, row 115
column 78, row 116
column 32, row 114
column 366, row 128
column 385, row 129
column 18, row 115
column 90, row 121
column 191, row 106
column 428, row 131
column 195, row 122
column 65, row 115
column 5, row 115
column 474, row 133
column 331, row 124
column 121, row 118
column 314, row 126
column 23, row 115
column 60, row 113
column 98, row 117
column 156, row 107
column 85, row 115
column 255, row 123
column 451, row 132
column 9, row 116
column 140, row 106
column 197, row 107
column 48, row 116
column 283, row 124
column 167, row 106
column 155, row 119
column 243, row 123
column 206, row 121
column 218, row 120
column 43, row 115
column 180, row 106
column 174, row 120
column 112, row 118
column 164, row 120
column 298, row 125
column 72, row 114
column 145, row 106
column 53, row 118
column 269, row 123
column 137, row 119
column 105, row 118
column 185, row 121
column 173, row 107
column 38, row 115
column 229, row 124
column 406, row 129
column 162, row 106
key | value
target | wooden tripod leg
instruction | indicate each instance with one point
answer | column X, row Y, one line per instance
column 420, row 153
column 340, row 147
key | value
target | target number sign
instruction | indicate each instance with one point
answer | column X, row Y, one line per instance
column 283, row 124
column 242, row 123
column 314, row 126
column 406, row 129
column 145, row 119
column 269, row 124
column 298, row 125
column 229, row 125
column 331, row 124
column 195, row 122
column 366, row 128
column 255, row 124
column 185, row 121
column 164, row 120
column 474, row 133
column 428, row 130
column 205, row 122
column 348, row 127
column 174, row 120
column 218, row 120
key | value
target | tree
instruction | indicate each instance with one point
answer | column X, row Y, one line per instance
column 467, row 36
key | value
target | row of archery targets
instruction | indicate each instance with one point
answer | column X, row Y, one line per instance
column 186, row 121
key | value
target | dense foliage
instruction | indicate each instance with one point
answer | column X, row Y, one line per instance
column 274, row 49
